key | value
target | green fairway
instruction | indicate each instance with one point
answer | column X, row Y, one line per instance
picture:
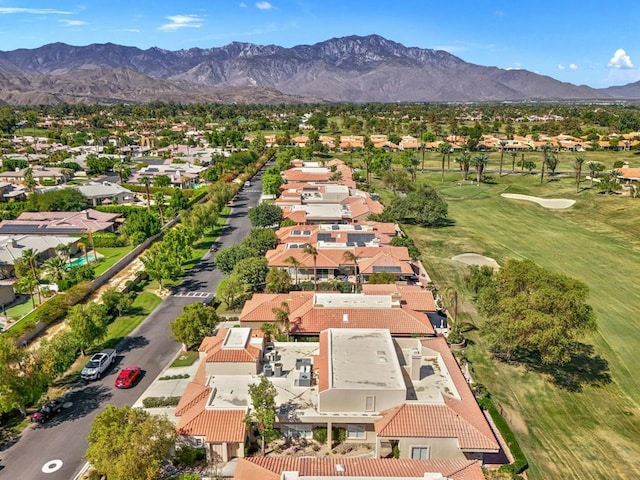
column 593, row 431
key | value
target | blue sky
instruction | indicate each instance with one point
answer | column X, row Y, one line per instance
column 577, row 41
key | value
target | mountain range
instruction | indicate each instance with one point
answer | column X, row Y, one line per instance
column 348, row 69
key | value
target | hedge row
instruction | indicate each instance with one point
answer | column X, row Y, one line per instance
column 155, row 402
column 134, row 187
column 520, row 463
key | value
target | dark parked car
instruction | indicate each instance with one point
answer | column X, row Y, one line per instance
column 128, row 377
column 47, row 411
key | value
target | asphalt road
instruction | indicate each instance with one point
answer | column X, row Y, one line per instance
column 59, row 445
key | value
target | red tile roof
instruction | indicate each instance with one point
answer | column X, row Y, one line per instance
column 413, row 296
column 321, row 362
column 215, row 425
column 270, row 468
column 433, row 421
column 260, row 307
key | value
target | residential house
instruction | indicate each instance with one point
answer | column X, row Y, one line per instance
column 360, row 234
column 41, row 175
column 12, row 248
column 181, row 175
column 310, row 468
column 105, row 193
column 60, row 223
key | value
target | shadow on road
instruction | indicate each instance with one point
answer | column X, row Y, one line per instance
column 84, row 400
column 131, row 343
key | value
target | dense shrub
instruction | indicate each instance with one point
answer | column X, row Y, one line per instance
column 125, row 210
column 109, row 240
column 155, row 402
column 52, row 311
column 77, row 293
column 186, row 456
column 320, row 434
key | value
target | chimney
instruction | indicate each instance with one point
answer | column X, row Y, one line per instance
column 416, row 363
column 395, row 299
column 345, row 318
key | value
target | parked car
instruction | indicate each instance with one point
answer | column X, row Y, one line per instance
column 128, row 377
column 98, row 364
column 247, row 184
column 47, row 411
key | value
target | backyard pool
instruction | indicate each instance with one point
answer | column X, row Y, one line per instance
column 76, row 262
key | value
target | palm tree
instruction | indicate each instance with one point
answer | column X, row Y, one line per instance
column 514, row 154
column 311, row 250
column 593, row 167
column 83, row 247
column 480, row 162
column 64, row 251
column 146, row 181
column 282, row 318
column 158, row 199
column 577, row 166
column 30, row 257
column 353, row 257
column 121, row 169
column 295, row 263
column 444, row 149
column 502, row 145
column 54, row 268
column 465, row 161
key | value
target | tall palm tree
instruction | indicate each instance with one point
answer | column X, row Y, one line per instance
column 444, row 149
column 577, row 166
column 502, row 145
column 465, row 161
column 480, row 162
column 83, row 247
column 158, row 199
column 30, row 257
column 514, row 154
column 353, row 257
column 311, row 250
column 282, row 318
column 295, row 263
column 146, row 181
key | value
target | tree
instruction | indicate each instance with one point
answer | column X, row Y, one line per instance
column 29, row 181
column 254, row 272
column 57, row 354
column 123, row 171
column 54, row 268
column 22, row 381
column 88, row 323
column 232, row 290
column 179, row 201
column 295, row 263
column 63, row 200
column 27, row 284
column 594, row 167
column 480, row 162
column 262, row 413
column 161, row 263
column 444, row 149
column 271, row 183
column 161, row 181
column 127, row 443
column 423, row 207
column 311, row 250
column 64, row 250
column 502, row 145
column 265, row 215
column 465, row 161
column 30, row 258
column 115, row 302
column 533, row 311
column 158, row 200
column 353, row 258
column 382, row 278
column 609, row 183
column 282, row 318
column 261, row 240
column 227, row 258
column 514, row 154
column 146, row 181
column 141, row 225
column 577, row 167
column 278, row 281
column 410, row 162
column 194, row 323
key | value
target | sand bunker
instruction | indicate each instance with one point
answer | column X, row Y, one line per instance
column 476, row 259
column 555, row 203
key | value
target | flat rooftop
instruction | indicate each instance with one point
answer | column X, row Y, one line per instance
column 363, row 358
column 352, row 300
column 229, row 393
column 236, row 338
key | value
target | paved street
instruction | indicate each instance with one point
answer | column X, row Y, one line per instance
column 55, row 450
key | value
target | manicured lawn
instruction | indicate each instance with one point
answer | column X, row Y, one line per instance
column 142, row 306
column 590, row 430
column 185, row 359
column 110, row 257
column 20, row 309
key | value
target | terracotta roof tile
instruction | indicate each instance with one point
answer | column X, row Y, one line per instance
column 193, row 394
column 248, row 354
column 321, row 362
column 433, row 421
column 215, row 425
column 270, row 468
column 413, row 296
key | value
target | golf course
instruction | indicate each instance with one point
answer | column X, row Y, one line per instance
column 582, row 422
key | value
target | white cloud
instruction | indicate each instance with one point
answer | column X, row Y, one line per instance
column 33, row 11
column 499, row 13
column 72, row 23
column 561, row 67
column 243, row 5
column 573, row 66
column 620, row 59
column 131, row 30
column 182, row 21
column 264, row 5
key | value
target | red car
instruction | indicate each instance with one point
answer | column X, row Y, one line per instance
column 128, row 377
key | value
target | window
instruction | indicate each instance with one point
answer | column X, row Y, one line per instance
column 297, row 431
column 356, row 431
column 420, row 453
column 369, row 403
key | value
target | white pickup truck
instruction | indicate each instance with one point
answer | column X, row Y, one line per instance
column 98, row 364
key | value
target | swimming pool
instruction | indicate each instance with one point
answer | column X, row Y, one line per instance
column 76, row 262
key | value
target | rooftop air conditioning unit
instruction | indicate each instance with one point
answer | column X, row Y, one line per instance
column 267, row 371
column 305, row 379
